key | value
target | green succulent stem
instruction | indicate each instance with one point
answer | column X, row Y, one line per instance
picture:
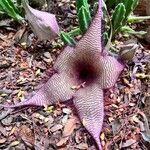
column 66, row 38
column 8, row 7
column 75, row 32
column 132, row 19
column 129, row 30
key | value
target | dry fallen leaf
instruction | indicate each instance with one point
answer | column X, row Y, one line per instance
column 56, row 128
column 3, row 140
column 26, row 134
column 128, row 143
column 14, row 143
column 102, row 136
column 62, row 142
column 69, row 126
column 82, row 146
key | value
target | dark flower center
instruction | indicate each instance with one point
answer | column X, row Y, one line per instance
column 86, row 72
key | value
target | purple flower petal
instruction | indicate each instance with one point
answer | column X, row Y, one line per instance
column 92, row 38
column 43, row 24
column 90, row 107
column 57, row 88
column 59, row 85
column 63, row 61
column 110, row 70
column 39, row 99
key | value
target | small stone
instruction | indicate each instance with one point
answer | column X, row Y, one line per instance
column 7, row 121
column 41, row 117
column 66, row 111
column 4, row 64
column 50, row 60
column 56, row 128
column 64, row 119
column 6, row 91
column 46, row 119
column 40, row 65
column 2, row 141
column 47, row 55
column 14, row 143
column 65, row 1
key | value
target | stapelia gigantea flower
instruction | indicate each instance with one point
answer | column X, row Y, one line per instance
column 87, row 68
column 43, row 24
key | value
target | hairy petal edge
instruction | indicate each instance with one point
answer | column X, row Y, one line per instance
column 111, row 69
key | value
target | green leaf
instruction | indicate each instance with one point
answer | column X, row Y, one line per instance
column 1, row 8
column 127, row 29
column 13, row 6
column 67, row 38
column 75, row 31
column 128, row 6
column 118, row 16
column 80, row 3
column 84, row 19
column 135, row 3
column 10, row 9
column 134, row 19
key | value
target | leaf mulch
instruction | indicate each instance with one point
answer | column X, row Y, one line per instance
column 24, row 65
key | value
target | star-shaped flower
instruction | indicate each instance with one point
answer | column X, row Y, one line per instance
column 82, row 72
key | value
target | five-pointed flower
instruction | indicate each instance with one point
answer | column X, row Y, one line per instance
column 82, row 72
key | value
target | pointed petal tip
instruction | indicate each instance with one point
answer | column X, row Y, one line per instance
column 58, row 87
column 91, row 40
column 99, row 5
column 37, row 100
column 89, row 104
column 97, row 139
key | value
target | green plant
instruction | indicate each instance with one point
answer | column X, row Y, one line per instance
column 121, row 13
column 8, row 7
column 118, row 21
column 84, row 19
column 122, row 16
column 84, row 15
column 118, row 17
column 67, row 38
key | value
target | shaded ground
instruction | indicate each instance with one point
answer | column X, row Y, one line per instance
column 24, row 66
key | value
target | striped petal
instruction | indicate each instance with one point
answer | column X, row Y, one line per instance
column 110, row 70
column 92, row 38
column 89, row 104
column 58, row 88
column 62, row 62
